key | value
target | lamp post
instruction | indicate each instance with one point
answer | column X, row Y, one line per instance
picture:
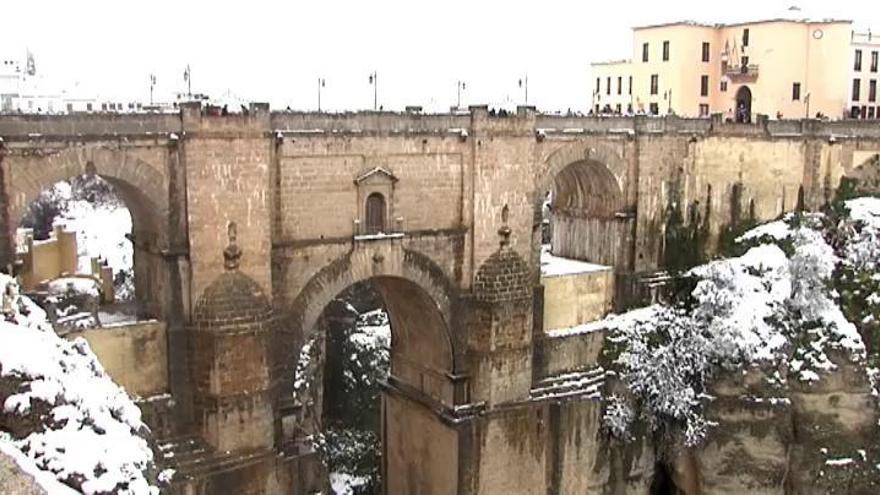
column 374, row 80
column 152, row 85
column 460, row 85
column 321, row 82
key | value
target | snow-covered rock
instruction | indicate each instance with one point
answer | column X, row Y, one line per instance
column 62, row 415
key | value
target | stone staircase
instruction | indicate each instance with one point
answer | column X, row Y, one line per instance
column 578, row 384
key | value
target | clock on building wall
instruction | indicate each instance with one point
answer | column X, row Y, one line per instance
column 818, row 34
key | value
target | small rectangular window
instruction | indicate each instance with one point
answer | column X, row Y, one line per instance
column 746, row 37
column 608, row 85
column 655, row 84
column 705, row 51
column 744, row 65
column 854, row 112
column 870, row 112
column 617, row 108
column 654, row 109
column 619, row 85
column 630, row 84
column 88, row 107
column 723, row 86
column 704, row 110
column 874, row 60
column 665, row 51
column 644, row 52
column 872, row 90
column 704, row 85
column 796, row 91
column 856, row 88
column 598, row 85
column 858, row 64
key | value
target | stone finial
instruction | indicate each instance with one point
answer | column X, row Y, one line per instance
column 232, row 253
column 504, row 231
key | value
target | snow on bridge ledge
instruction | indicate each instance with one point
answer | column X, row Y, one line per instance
column 555, row 266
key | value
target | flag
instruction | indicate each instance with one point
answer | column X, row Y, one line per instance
column 153, row 79
column 186, row 73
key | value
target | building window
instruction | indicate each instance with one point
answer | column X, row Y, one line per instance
column 874, row 60
column 617, row 108
column 872, row 90
column 704, row 85
column 644, row 52
column 796, row 91
column 705, row 51
column 665, row 51
column 608, row 85
column 654, row 109
column 858, row 65
column 745, row 37
column 619, row 85
column 598, row 85
column 655, row 84
column 744, row 65
column 857, row 86
column 88, row 107
column 854, row 112
column 630, row 84
column 375, row 213
column 870, row 112
column 723, row 86
column 704, row 110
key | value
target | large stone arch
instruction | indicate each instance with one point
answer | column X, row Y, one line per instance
column 139, row 184
column 408, row 281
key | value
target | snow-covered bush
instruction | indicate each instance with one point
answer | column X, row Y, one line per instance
column 788, row 302
column 63, row 413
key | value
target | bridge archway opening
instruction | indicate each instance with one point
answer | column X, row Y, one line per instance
column 378, row 355
column 88, row 241
column 582, row 215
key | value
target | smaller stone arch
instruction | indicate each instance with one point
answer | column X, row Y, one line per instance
column 417, row 295
column 590, row 220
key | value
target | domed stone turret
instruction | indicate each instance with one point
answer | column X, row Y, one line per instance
column 231, row 342
column 233, row 299
column 503, row 277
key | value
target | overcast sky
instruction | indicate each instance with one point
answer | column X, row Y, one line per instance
column 275, row 51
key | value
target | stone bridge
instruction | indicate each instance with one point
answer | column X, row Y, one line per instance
column 246, row 226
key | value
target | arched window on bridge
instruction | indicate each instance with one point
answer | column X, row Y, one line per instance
column 375, row 197
column 376, row 213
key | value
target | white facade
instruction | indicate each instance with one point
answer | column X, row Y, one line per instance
column 864, row 100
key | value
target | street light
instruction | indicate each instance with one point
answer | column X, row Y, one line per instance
column 460, row 86
column 321, row 82
column 524, row 82
column 374, row 80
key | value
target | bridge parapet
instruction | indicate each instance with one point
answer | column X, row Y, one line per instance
column 88, row 124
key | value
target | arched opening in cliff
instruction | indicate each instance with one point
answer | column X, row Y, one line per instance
column 379, row 352
column 77, row 252
column 663, row 482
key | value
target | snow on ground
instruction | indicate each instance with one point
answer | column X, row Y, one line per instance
column 43, row 478
column 581, row 329
column 344, row 484
column 92, row 435
column 554, row 266
column 100, row 233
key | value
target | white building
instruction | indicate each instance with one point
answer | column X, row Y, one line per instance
column 863, row 102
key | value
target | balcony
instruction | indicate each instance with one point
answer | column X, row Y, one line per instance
column 738, row 74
